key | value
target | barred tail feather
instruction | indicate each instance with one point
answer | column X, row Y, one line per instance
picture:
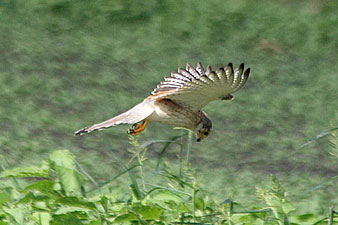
column 132, row 116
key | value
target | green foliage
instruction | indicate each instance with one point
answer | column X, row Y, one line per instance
column 34, row 171
column 62, row 198
column 276, row 200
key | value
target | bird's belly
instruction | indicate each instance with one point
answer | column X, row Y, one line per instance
column 173, row 114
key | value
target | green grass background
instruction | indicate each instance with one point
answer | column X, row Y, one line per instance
column 68, row 64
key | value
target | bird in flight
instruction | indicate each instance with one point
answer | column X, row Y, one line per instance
column 178, row 100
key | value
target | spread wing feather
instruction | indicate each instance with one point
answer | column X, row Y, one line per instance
column 196, row 87
column 132, row 116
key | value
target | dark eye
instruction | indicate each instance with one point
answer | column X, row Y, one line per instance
column 206, row 133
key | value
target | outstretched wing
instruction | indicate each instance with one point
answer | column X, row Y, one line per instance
column 196, row 87
column 133, row 115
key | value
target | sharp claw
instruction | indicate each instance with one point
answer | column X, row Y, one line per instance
column 137, row 128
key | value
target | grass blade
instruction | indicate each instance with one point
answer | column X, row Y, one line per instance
column 319, row 136
column 101, row 185
column 165, row 147
column 169, row 189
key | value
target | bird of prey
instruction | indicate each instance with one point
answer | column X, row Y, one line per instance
column 178, row 100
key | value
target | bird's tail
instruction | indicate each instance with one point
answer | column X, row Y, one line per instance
column 132, row 116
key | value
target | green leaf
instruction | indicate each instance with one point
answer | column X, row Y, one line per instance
column 4, row 197
column 43, row 218
column 148, row 212
column 77, row 202
column 165, row 195
column 95, row 222
column 199, row 203
column 70, row 179
column 126, row 218
column 32, row 197
column 68, row 210
column 17, row 214
column 63, row 158
column 32, row 171
column 308, row 218
column 287, row 207
column 63, row 219
column 44, row 186
column 246, row 219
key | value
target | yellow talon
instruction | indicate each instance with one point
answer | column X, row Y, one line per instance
column 138, row 128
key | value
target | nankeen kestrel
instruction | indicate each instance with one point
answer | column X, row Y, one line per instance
column 178, row 100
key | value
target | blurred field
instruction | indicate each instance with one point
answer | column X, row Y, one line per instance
column 68, row 64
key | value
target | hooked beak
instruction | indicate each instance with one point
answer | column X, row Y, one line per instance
column 199, row 137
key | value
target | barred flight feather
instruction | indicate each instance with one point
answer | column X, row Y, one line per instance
column 197, row 86
column 221, row 75
column 244, row 78
column 209, row 70
column 229, row 71
column 213, row 77
column 186, row 74
column 180, row 77
column 170, row 79
column 192, row 71
column 206, row 80
column 200, row 68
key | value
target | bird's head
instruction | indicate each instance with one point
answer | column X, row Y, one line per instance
column 204, row 127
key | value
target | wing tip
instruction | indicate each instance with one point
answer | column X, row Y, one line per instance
column 247, row 72
column 230, row 65
column 241, row 67
column 209, row 69
column 188, row 66
column 81, row 131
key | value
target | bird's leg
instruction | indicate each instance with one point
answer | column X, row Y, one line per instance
column 138, row 128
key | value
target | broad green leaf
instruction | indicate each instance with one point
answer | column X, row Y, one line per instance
column 287, row 207
column 44, row 186
column 71, row 180
column 68, row 209
column 65, row 219
column 42, row 218
column 148, row 212
column 199, row 203
column 17, row 214
column 4, row 197
column 63, row 158
column 41, row 205
column 125, row 219
column 305, row 218
column 95, row 222
column 165, row 195
column 246, row 219
column 109, row 202
column 32, row 197
column 32, row 171
column 166, row 200
column 77, row 202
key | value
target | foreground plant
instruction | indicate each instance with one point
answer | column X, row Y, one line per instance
column 60, row 191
